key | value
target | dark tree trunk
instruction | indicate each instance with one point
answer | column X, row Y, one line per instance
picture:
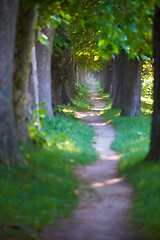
column 60, row 68
column 70, row 84
column 154, row 153
column 82, row 75
column 131, row 92
column 118, row 80
column 139, row 90
column 107, row 86
column 44, row 53
column 126, row 85
column 106, row 77
column 9, row 152
column 24, row 42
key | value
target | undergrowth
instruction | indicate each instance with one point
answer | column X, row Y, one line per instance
column 132, row 142
column 35, row 195
column 79, row 101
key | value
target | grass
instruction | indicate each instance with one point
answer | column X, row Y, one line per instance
column 132, row 141
column 80, row 103
column 46, row 189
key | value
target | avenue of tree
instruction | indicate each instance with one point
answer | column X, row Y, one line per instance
column 45, row 48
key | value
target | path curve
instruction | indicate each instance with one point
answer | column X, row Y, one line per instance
column 102, row 213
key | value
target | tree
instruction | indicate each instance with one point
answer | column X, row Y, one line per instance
column 60, row 66
column 126, row 85
column 43, row 53
column 154, row 152
column 27, row 18
column 9, row 151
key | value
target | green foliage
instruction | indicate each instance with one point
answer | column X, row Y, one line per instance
column 146, row 107
column 46, row 189
column 79, row 100
column 147, row 79
column 132, row 142
column 36, row 124
column 106, row 27
column 82, row 91
column 59, row 43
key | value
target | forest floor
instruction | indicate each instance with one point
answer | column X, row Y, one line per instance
column 105, row 197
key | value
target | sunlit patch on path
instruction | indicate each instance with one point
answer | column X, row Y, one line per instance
column 102, row 213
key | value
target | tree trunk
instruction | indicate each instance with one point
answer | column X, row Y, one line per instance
column 106, row 77
column 118, row 80
column 154, row 152
column 82, row 75
column 9, row 152
column 44, row 53
column 24, row 42
column 70, row 84
column 60, row 74
column 131, row 91
column 126, row 85
column 33, row 94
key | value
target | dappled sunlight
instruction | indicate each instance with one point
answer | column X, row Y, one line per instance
column 113, row 157
column 86, row 114
column 107, row 182
column 98, row 124
column 98, row 108
column 96, row 99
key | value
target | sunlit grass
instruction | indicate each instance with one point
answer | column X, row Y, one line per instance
column 132, row 141
column 146, row 106
column 35, row 195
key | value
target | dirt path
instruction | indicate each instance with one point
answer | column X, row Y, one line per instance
column 102, row 213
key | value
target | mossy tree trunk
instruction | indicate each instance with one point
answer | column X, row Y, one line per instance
column 44, row 53
column 24, row 42
column 9, row 152
column 154, row 152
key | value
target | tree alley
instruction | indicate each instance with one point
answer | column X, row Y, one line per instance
column 120, row 33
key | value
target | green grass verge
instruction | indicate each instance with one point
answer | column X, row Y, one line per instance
column 35, row 195
column 132, row 141
column 79, row 101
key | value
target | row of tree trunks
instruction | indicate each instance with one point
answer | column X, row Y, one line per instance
column 9, row 152
column 121, row 77
column 63, row 73
column 82, row 75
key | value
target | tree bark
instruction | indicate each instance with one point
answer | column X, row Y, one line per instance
column 60, row 72
column 118, row 80
column 106, row 77
column 126, row 85
column 131, row 92
column 33, row 94
column 70, row 83
column 44, row 53
column 9, row 152
column 24, row 42
column 154, row 152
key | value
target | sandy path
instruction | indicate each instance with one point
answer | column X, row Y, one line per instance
column 102, row 213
